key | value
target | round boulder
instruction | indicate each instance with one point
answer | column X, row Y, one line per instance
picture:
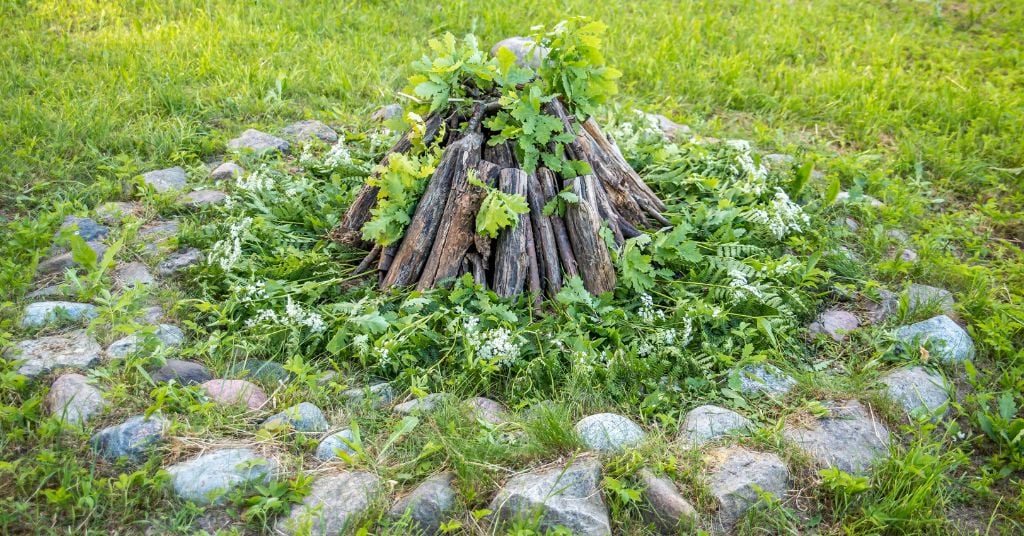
column 609, row 432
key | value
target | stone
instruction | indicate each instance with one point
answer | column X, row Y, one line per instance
column 920, row 392
column 386, row 113
column 203, row 198
column 379, row 394
column 668, row 127
column 228, row 171
column 165, row 335
column 52, row 291
column 133, row 274
column 334, row 505
column 328, row 447
column 86, row 228
column 424, row 404
column 737, row 478
column 921, row 297
column 487, row 410
column 845, row 197
column 849, row 438
column 74, row 400
column 63, row 261
column 707, row 423
column 261, row 370
column 527, row 55
column 208, row 478
column 948, row 341
column 303, row 417
column 76, row 349
column 764, row 379
column 851, row 224
column 908, row 255
column 308, row 130
column 778, row 161
column 898, row 235
column 150, row 315
column 178, row 261
column 670, row 512
column 568, row 497
column 158, row 235
column 609, row 433
column 235, row 392
column 428, row 505
column 114, row 212
column 258, row 142
column 182, row 372
column 40, row 314
column 130, row 439
column 166, row 180
column 836, row 323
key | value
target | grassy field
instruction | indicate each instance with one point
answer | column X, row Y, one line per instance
column 918, row 103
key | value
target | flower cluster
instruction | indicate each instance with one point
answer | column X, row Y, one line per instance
column 781, row 216
column 228, row 251
column 260, row 180
column 738, row 282
column 252, row 291
column 495, row 345
column 648, row 313
column 294, row 316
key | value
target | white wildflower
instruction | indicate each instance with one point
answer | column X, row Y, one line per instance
column 259, row 180
column 493, row 344
column 228, row 251
column 338, row 155
column 741, row 285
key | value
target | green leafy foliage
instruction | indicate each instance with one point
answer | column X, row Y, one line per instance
column 575, row 66
column 401, row 183
column 499, row 210
column 444, row 76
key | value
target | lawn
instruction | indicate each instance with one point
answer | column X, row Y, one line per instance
column 919, row 104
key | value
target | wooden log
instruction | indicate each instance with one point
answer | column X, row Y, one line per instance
column 532, row 266
column 548, row 182
column 544, row 237
column 584, row 225
column 616, row 187
column 479, row 268
column 510, row 258
column 457, row 159
column 501, row 154
column 483, row 243
column 636, row 183
column 369, row 260
column 457, row 229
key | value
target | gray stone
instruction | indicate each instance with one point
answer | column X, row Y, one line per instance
column 669, row 510
column 130, row 439
column 835, row 323
column 379, row 394
column 386, row 113
column 178, row 261
column 74, row 400
column 76, row 349
column 849, row 438
column 309, row 130
column 424, row 404
column 671, row 129
column 164, row 335
column 920, row 297
column 52, row 291
column 328, row 447
column 40, row 314
column 738, row 477
column 207, row 478
column 568, row 497
column 203, row 198
column 182, row 372
column 487, row 410
column 303, row 417
column 898, row 235
column 908, row 255
column 86, row 228
column 851, row 224
column 609, row 433
column 133, row 274
column 527, row 55
column 947, row 340
column 63, row 261
column 258, row 142
column 778, row 161
column 707, row 423
column 166, row 180
column 158, row 235
column 921, row 393
column 845, row 197
column 150, row 315
column 428, row 505
column 887, row 305
column 764, row 379
column 228, row 171
column 334, row 505
column 263, row 371
column 113, row 212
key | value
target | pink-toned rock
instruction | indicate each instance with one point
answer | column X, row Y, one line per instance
column 835, row 323
column 232, row 392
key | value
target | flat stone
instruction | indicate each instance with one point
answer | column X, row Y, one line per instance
column 235, row 392
column 737, row 479
column 851, row 224
column 328, row 447
column 845, row 197
column 334, row 504
column 707, row 423
column 114, row 212
column 849, row 438
column 303, row 417
column 379, row 394
column 203, row 198
column 52, row 291
column 898, row 235
column 836, row 323
column 63, row 261
column 670, row 511
column 228, row 171
column 386, row 113
column 133, row 274
column 76, row 349
column 423, row 404
column 263, row 371
column 207, row 478
column 130, row 439
column 182, row 372
column 166, row 180
column 86, row 228
column 609, row 433
column 778, row 161
column 40, row 314
column 150, row 315
column 164, row 335
column 158, row 234
column 764, row 379
column 527, row 55
column 908, row 255
column 178, row 261
column 487, row 410
column 948, row 341
column 309, row 130
column 74, row 400
column 920, row 297
column 922, row 393
column 258, row 142
column 568, row 497
column 671, row 129
column 428, row 505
